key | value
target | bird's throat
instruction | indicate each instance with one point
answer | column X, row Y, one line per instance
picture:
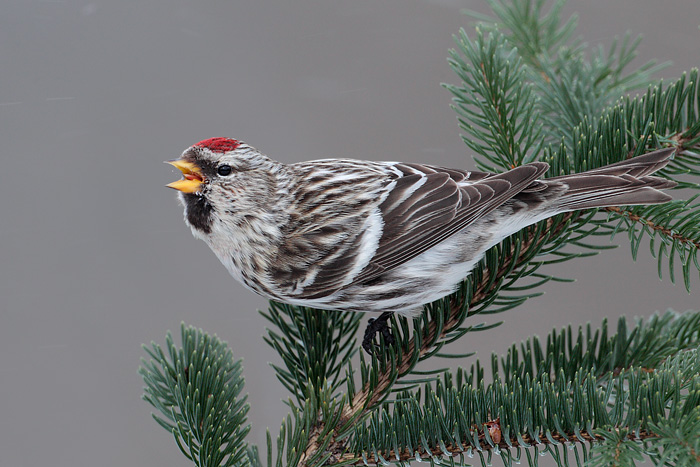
column 198, row 212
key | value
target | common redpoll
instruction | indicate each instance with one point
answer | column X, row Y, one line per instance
column 355, row 235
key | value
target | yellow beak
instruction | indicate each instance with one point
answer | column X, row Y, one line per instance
column 192, row 174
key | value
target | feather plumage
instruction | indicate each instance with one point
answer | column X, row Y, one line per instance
column 382, row 236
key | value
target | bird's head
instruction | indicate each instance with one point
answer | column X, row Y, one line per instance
column 224, row 181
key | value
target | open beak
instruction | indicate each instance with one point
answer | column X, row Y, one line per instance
column 192, row 176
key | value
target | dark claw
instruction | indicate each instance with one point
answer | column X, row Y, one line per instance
column 378, row 325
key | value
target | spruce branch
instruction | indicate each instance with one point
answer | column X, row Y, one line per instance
column 682, row 239
column 652, row 380
column 531, row 30
column 646, row 346
column 313, row 344
column 663, row 115
column 678, row 443
column 571, row 82
column 196, row 389
column 495, row 103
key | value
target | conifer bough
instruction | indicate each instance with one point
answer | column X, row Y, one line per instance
column 530, row 94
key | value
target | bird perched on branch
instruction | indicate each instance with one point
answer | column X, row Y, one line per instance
column 388, row 237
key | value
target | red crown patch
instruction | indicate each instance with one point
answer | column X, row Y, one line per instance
column 219, row 145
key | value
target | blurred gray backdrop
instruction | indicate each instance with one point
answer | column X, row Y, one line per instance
column 95, row 258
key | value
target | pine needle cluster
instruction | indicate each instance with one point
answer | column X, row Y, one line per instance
column 606, row 395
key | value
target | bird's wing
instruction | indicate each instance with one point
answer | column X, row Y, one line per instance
column 423, row 206
column 429, row 204
column 334, row 226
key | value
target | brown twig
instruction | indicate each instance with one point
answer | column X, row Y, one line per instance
column 656, row 227
column 484, row 445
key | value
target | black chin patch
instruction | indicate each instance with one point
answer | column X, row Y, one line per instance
column 199, row 212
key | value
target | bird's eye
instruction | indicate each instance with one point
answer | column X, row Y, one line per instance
column 224, row 170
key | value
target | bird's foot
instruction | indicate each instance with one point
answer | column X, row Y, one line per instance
column 375, row 326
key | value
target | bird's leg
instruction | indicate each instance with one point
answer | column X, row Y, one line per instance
column 374, row 326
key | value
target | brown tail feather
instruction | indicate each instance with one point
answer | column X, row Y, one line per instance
column 623, row 183
column 637, row 167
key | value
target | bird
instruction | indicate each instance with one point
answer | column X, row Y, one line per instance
column 370, row 236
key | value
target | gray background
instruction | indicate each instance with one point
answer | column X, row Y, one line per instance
column 95, row 258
